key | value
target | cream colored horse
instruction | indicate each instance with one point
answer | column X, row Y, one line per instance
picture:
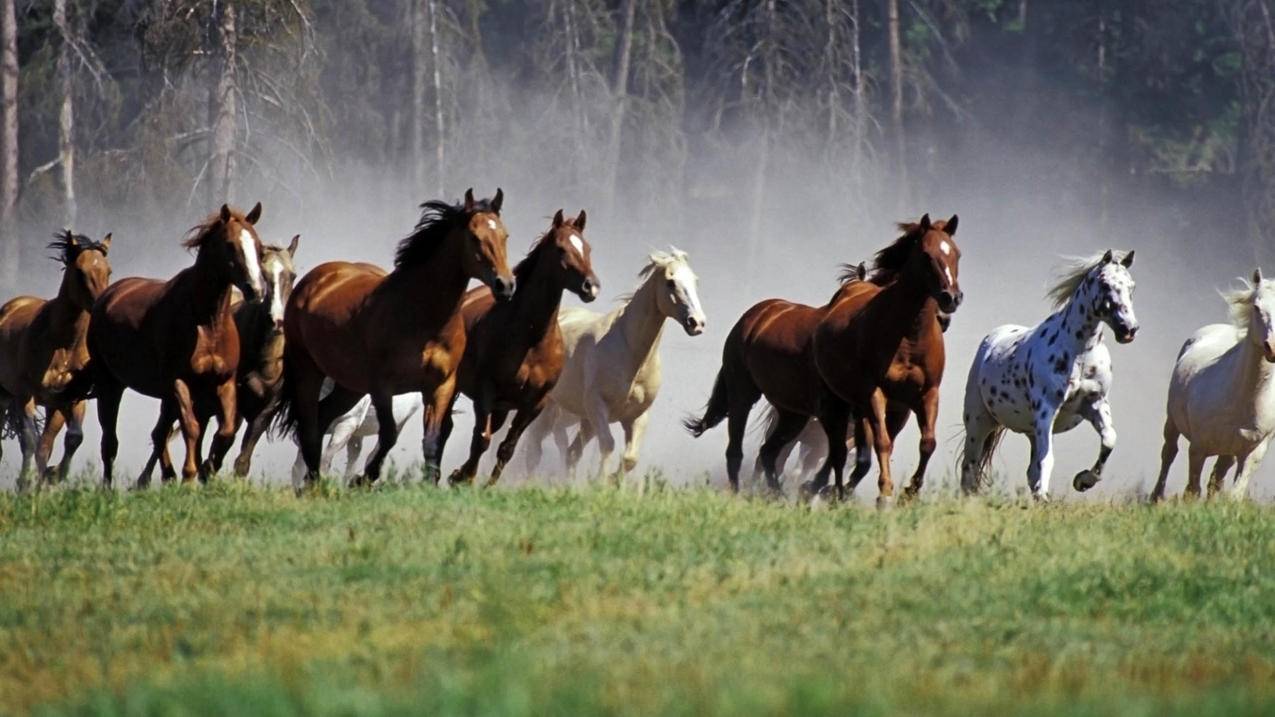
column 612, row 371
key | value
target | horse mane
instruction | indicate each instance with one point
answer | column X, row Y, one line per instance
column 523, row 269
column 888, row 263
column 437, row 219
column 1239, row 302
column 201, row 232
column 658, row 260
column 65, row 241
column 1069, row 276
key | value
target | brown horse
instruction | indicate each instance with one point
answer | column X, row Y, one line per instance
column 879, row 348
column 514, row 352
column 260, row 380
column 771, row 351
column 176, row 340
column 384, row 334
column 43, row 356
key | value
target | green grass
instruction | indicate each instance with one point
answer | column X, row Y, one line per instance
column 233, row 599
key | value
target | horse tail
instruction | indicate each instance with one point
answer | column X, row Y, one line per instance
column 984, row 463
column 286, row 422
column 716, row 410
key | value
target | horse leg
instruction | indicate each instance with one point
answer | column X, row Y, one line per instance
column 27, row 439
column 353, row 451
column 437, row 409
column 257, row 427
column 834, row 418
column 1195, row 467
column 479, row 441
column 74, row 436
column 505, row 453
column 1247, row 465
column 1098, row 414
column 159, row 442
column 1167, row 453
column 343, row 431
column 109, row 394
column 863, row 446
column 883, row 445
column 1042, row 463
column 634, row 431
column 387, row 436
column 533, row 447
column 190, row 425
column 788, row 425
column 227, row 422
column 54, row 420
column 1220, row 468
column 575, row 449
column 927, row 412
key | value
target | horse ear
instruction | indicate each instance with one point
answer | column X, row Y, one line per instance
column 579, row 221
column 106, row 243
column 1108, row 257
column 1257, row 275
column 498, row 200
column 469, row 200
column 558, row 219
column 950, row 226
column 1127, row 261
column 925, row 223
column 225, row 213
column 252, row 216
column 862, row 270
column 292, row 245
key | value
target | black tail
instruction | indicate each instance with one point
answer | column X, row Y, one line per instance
column 285, row 422
column 716, row 410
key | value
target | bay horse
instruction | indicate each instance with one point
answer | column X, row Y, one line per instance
column 1222, row 393
column 176, row 340
column 514, row 351
column 347, row 432
column 1050, row 377
column 875, row 342
column 613, row 369
column 387, row 333
column 44, row 359
column 260, row 373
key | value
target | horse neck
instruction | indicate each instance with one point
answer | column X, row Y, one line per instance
column 210, row 290
column 897, row 312
column 536, row 301
column 258, row 337
column 442, row 276
column 1254, row 375
column 640, row 322
column 1076, row 324
column 65, row 308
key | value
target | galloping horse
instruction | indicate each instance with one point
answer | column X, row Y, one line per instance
column 176, row 340
column 1222, row 395
column 612, row 371
column 876, row 347
column 260, row 326
column 514, row 351
column 385, row 333
column 1048, row 378
column 347, row 432
column 43, row 356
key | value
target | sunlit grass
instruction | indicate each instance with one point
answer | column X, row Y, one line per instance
column 233, row 598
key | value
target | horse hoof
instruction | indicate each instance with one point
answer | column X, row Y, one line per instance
column 361, row 481
column 885, row 502
column 909, row 494
column 1085, row 480
column 810, row 490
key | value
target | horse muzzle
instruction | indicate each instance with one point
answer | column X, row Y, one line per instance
column 1268, row 349
column 949, row 301
column 589, row 290
column 1125, row 335
column 503, row 288
column 694, row 325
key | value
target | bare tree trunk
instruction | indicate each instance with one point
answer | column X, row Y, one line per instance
column 66, row 116
column 222, row 169
column 896, row 98
column 418, row 15
column 9, row 143
column 860, row 100
column 619, row 94
column 1104, row 188
column 440, row 138
column 767, row 106
column 830, row 67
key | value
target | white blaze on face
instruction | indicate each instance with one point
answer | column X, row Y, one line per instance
column 250, row 259
column 945, row 247
column 275, row 271
column 491, row 224
column 685, row 280
column 948, row 271
column 578, row 244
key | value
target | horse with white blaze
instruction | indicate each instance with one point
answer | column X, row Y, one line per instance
column 1046, row 379
column 1222, row 396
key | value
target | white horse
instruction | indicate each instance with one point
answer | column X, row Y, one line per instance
column 1222, row 396
column 348, row 431
column 612, row 370
column 1048, row 378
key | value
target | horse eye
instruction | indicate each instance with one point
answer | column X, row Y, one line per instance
column 672, row 284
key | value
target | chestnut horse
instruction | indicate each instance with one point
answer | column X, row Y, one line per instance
column 260, row 326
column 772, row 351
column 386, row 333
column 43, row 356
column 176, row 340
column 515, row 353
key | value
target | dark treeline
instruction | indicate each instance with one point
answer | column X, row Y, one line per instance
column 644, row 107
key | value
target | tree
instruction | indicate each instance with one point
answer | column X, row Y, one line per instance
column 66, row 115
column 9, row 140
column 224, row 109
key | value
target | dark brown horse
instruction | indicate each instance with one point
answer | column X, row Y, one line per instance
column 514, row 352
column 771, row 351
column 176, row 340
column 383, row 334
column 43, row 356
column 879, row 348
column 260, row 380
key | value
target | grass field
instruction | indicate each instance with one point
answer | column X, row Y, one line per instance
column 232, row 599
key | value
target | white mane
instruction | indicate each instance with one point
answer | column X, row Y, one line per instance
column 1068, row 276
column 1240, row 301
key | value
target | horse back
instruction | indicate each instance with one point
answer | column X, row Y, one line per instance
column 772, row 341
column 16, row 317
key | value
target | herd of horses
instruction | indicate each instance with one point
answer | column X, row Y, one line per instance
column 352, row 350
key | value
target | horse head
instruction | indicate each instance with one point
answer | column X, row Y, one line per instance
column 677, row 296
column 573, row 256
column 88, row 271
column 485, row 257
column 280, row 275
column 1112, row 295
column 228, row 245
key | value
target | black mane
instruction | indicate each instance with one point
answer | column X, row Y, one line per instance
column 889, row 262
column 67, row 245
column 437, row 219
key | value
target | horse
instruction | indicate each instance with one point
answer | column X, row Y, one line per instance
column 176, row 340
column 260, row 373
column 875, row 348
column 514, row 352
column 44, row 358
column 1046, row 379
column 612, row 371
column 1222, row 394
column 386, row 333
column 348, row 431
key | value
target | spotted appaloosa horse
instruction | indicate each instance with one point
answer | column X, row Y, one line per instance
column 1048, row 378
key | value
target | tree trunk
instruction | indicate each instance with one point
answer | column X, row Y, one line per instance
column 896, row 99
column 440, row 138
column 767, row 109
column 860, row 100
column 222, row 164
column 418, row 15
column 66, row 116
column 9, row 143
column 1104, row 188
column 619, row 94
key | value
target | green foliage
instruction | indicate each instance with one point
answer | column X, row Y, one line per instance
column 233, row 599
